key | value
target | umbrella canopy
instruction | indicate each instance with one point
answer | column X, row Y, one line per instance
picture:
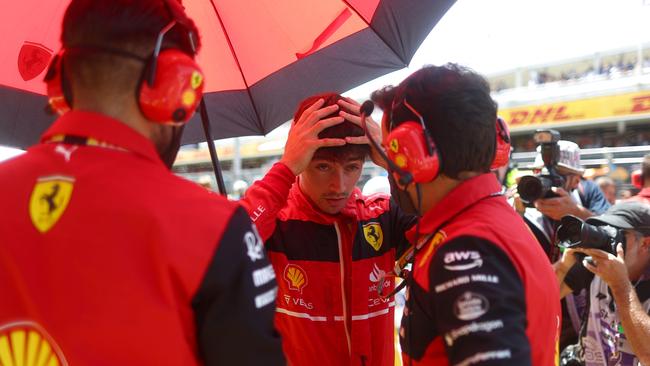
column 260, row 57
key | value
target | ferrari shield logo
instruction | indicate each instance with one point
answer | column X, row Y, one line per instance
column 394, row 145
column 49, row 200
column 373, row 234
column 33, row 59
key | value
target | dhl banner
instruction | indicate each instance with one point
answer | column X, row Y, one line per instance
column 611, row 106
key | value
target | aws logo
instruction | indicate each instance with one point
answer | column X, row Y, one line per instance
column 27, row 343
column 296, row 277
column 373, row 234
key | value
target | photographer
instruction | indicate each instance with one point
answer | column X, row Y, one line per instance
column 616, row 328
column 556, row 190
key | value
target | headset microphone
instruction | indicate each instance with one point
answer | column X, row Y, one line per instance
column 404, row 177
column 366, row 109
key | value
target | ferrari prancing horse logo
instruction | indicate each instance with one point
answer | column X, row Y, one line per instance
column 373, row 234
column 49, row 200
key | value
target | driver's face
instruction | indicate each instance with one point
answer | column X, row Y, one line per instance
column 329, row 183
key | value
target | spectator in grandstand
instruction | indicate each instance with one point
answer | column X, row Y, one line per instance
column 608, row 187
column 331, row 246
column 616, row 328
column 479, row 292
column 107, row 257
column 644, row 179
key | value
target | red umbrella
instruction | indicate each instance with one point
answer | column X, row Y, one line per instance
column 260, row 57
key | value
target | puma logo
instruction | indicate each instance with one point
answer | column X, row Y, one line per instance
column 67, row 153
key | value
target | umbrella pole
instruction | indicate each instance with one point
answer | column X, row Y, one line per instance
column 205, row 120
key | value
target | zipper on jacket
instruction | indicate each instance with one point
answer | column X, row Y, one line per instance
column 345, row 300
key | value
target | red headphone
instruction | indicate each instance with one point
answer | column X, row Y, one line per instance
column 169, row 91
column 411, row 148
column 637, row 179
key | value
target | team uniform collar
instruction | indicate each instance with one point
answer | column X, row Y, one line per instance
column 101, row 128
column 459, row 199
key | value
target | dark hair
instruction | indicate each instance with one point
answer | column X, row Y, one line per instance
column 458, row 112
column 124, row 25
column 342, row 130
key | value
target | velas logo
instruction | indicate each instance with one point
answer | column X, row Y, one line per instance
column 296, row 277
column 27, row 343
column 462, row 260
column 49, row 199
column 374, row 235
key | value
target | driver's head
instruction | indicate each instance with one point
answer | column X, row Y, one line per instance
column 333, row 172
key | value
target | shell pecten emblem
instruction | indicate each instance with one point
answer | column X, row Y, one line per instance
column 49, row 199
column 26, row 343
column 296, row 277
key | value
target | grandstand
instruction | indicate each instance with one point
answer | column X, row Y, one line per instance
column 601, row 101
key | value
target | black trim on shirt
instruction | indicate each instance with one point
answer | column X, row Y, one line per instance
column 476, row 306
column 235, row 304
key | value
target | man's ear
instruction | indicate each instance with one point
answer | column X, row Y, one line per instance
column 646, row 243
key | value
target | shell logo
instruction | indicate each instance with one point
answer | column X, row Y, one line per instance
column 27, row 344
column 296, row 277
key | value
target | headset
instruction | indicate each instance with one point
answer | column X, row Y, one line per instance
column 638, row 179
column 170, row 87
column 411, row 153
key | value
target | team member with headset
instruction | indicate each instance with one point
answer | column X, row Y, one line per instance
column 480, row 289
column 107, row 257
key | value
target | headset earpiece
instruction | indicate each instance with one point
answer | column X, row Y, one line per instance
column 176, row 91
column 58, row 91
column 637, row 179
column 408, row 148
column 502, row 151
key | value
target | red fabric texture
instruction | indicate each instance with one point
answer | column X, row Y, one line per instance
column 113, row 279
column 465, row 211
column 311, row 321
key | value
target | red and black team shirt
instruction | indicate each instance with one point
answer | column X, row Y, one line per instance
column 106, row 258
column 483, row 292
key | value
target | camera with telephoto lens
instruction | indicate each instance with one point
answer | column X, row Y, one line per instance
column 534, row 187
column 575, row 233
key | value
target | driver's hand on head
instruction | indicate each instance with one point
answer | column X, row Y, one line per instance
column 303, row 141
column 557, row 207
column 373, row 129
